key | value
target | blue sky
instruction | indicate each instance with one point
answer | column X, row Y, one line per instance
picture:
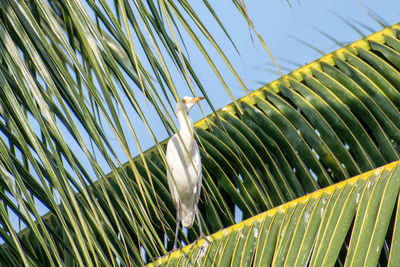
column 277, row 23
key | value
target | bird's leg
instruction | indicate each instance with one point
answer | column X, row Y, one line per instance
column 201, row 228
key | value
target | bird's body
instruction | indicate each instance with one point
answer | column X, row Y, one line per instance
column 187, row 184
column 184, row 167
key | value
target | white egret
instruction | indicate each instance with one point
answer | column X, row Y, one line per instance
column 184, row 168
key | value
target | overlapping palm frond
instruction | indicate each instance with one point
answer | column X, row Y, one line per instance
column 351, row 223
column 68, row 83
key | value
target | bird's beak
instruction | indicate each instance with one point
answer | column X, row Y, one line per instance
column 197, row 99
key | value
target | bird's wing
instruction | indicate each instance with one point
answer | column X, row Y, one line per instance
column 171, row 160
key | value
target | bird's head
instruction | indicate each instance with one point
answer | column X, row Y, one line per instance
column 188, row 102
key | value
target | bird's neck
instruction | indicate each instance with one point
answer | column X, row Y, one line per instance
column 186, row 127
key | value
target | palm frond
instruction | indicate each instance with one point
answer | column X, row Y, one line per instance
column 69, row 82
column 354, row 223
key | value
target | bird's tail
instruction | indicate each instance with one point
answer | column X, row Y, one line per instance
column 187, row 216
